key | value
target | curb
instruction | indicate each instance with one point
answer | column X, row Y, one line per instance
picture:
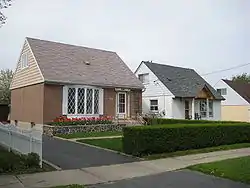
column 121, row 153
column 51, row 164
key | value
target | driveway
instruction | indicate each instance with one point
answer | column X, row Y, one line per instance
column 69, row 155
column 176, row 179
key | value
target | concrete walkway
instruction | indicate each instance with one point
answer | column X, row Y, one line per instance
column 103, row 174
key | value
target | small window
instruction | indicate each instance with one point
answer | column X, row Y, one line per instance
column 24, row 61
column 153, row 105
column 143, row 78
column 222, row 91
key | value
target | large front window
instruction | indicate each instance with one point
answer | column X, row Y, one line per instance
column 83, row 101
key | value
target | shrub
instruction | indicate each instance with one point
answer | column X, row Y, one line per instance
column 146, row 140
column 159, row 121
column 11, row 162
column 64, row 121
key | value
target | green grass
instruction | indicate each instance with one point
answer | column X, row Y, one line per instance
column 235, row 169
column 69, row 186
column 109, row 143
column 89, row 134
column 197, row 151
column 116, row 145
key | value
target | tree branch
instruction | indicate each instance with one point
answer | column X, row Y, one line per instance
column 4, row 4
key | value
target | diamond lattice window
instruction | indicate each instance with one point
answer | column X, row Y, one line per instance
column 71, row 100
column 96, row 101
column 80, row 100
column 89, row 98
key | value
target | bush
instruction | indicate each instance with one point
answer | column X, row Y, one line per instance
column 147, row 140
column 11, row 162
column 159, row 121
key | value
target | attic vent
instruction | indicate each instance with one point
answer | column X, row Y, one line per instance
column 87, row 62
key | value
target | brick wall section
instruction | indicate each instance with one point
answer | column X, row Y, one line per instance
column 27, row 103
column 135, row 102
column 53, row 96
column 109, row 100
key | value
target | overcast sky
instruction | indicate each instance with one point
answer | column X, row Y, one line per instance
column 206, row 35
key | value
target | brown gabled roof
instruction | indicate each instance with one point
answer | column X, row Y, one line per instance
column 242, row 88
column 70, row 64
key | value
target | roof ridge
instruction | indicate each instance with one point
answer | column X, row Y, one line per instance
column 63, row 43
column 167, row 65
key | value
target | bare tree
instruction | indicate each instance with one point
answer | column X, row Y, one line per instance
column 5, row 80
column 4, row 4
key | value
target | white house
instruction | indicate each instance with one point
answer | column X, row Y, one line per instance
column 177, row 92
column 236, row 107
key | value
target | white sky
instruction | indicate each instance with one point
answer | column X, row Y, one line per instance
column 206, row 35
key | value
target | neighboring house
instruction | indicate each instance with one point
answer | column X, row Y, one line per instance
column 54, row 79
column 178, row 93
column 236, row 107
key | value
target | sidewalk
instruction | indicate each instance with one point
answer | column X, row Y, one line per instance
column 94, row 175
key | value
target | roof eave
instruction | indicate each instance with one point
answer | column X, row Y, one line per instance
column 60, row 82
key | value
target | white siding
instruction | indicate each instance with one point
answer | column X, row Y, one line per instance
column 178, row 107
column 232, row 97
column 155, row 90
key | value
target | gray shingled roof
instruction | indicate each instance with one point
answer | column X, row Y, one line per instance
column 64, row 63
column 182, row 82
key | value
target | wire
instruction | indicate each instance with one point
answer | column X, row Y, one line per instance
column 223, row 70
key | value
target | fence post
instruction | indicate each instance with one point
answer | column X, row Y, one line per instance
column 10, row 139
column 30, row 141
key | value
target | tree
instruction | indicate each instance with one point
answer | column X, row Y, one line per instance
column 242, row 78
column 3, row 4
column 5, row 80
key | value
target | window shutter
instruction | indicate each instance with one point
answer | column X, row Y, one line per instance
column 101, row 101
column 65, row 100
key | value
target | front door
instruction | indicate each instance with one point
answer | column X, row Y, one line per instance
column 121, row 104
column 186, row 109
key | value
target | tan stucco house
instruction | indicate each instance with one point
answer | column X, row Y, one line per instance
column 236, row 107
column 54, row 79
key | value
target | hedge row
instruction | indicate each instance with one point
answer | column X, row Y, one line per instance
column 147, row 140
column 159, row 121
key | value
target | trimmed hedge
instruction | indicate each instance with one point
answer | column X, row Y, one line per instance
column 147, row 140
column 160, row 121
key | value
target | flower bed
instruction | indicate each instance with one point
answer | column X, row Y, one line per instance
column 65, row 121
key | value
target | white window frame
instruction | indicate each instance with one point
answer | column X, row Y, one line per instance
column 117, row 103
column 145, row 78
column 76, row 114
column 222, row 91
column 211, row 110
column 150, row 105
column 24, row 63
column 203, row 111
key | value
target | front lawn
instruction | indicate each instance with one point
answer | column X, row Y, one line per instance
column 109, row 143
column 69, row 186
column 89, row 134
column 235, row 169
column 116, row 145
column 11, row 163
